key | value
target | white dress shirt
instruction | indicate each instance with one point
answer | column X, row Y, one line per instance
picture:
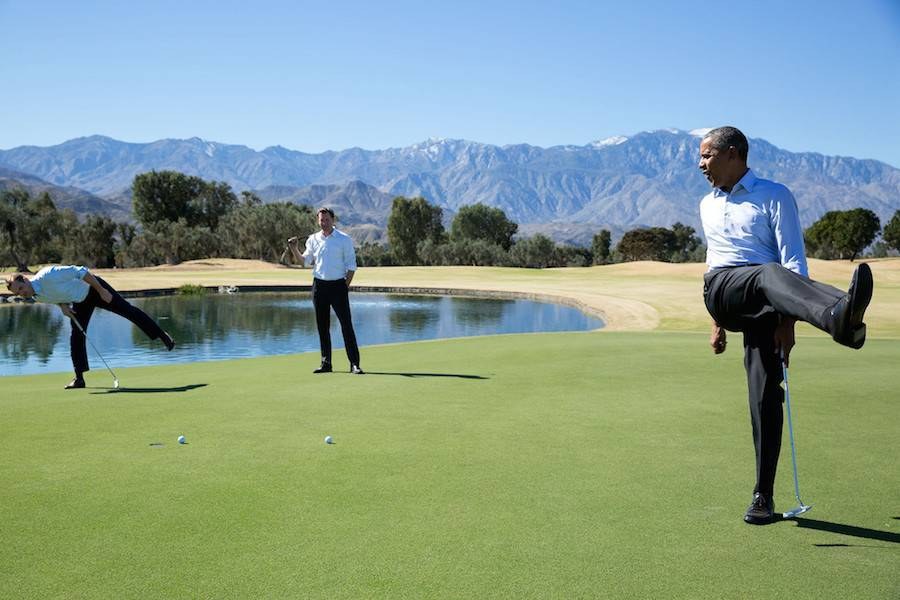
column 756, row 223
column 330, row 256
column 60, row 284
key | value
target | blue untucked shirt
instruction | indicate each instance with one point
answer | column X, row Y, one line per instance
column 60, row 285
column 756, row 223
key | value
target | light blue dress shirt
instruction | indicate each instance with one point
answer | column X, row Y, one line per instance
column 756, row 223
column 60, row 284
column 330, row 256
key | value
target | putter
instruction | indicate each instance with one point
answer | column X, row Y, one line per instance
column 801, row 508
column 84, row 333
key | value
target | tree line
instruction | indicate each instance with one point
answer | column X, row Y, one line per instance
column 480, row 235
column 181, row 217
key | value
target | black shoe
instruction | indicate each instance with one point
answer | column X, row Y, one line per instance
column 849, row 328
column 324, row 368
column 761, row 510
column 167, row 340
column 355, row 370
column 75, row 384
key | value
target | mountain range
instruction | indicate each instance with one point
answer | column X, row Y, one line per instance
column 78, row 200
column 568, row 192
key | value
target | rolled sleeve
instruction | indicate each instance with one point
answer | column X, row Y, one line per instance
column 309, row 253
column 349, row 256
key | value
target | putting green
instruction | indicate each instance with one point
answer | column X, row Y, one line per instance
column 554, row 465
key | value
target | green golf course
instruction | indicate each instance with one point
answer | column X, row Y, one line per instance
column 607, row 464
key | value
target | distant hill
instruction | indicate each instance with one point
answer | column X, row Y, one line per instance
column 354, row 202
column 80, row 201
column 569, row 192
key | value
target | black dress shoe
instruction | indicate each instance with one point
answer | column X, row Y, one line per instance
column 848, row 313
column 75, row 384
column 761, row 510
column 324, row 368
column 355, row 370
column 167, row 340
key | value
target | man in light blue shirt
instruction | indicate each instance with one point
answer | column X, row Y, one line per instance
column 331, row 254
column 78, row 292
column 758, row 284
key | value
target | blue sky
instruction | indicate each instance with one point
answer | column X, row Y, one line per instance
column 820, row 76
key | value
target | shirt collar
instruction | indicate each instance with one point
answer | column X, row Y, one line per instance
column 37, row 287
column 747, row 182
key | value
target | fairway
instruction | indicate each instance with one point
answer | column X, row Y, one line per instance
column 614, row 464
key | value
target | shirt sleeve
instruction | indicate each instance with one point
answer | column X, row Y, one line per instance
column 350, row 255
column 309, row 256
column 789, row 232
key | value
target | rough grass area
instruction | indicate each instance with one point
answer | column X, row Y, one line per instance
column 532, row 466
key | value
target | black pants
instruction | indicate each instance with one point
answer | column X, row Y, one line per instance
column 752, row 300
column 85, row 309
column 334, row 294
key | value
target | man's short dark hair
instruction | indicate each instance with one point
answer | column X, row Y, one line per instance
column 9, row 280
column 325, row 209
column 721, row 138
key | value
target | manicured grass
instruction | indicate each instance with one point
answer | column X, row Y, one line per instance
column 571, row 465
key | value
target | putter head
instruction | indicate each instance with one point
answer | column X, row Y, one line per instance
column 116, row 384
column 796, row 511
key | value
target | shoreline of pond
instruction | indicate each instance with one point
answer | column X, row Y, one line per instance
column 583, row 307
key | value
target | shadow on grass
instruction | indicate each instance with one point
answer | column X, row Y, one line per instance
column 860, row 532
column 459, row 376
column 151, row 390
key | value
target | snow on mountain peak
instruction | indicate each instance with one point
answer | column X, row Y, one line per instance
column 610, row 141
column 700, row 132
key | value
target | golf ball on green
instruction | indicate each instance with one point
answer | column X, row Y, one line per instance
column 328, row 439
column 181, row 439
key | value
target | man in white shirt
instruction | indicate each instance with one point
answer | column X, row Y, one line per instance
column 78, row 292
column 331, row 255
column 758, row 284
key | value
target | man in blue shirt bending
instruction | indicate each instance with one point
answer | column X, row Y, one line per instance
column 758, row 284
column 78, row 292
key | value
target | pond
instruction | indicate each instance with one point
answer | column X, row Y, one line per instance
column 34, row 338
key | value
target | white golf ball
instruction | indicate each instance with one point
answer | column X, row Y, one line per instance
column 181, row 439
column 328, row 439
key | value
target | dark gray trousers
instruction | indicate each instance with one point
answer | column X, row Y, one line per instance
column 752, row 300
column 85, row 309
column 334, row 294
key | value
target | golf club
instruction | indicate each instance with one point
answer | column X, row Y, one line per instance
column 84, row 333
column 801, row 508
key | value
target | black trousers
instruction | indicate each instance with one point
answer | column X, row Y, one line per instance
column 84, row 310
column 334, row 294
column 752, row 300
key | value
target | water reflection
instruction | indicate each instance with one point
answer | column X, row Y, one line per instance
column 30, row 333
column 212, row 318
column 415, row 314
column 213, row 327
